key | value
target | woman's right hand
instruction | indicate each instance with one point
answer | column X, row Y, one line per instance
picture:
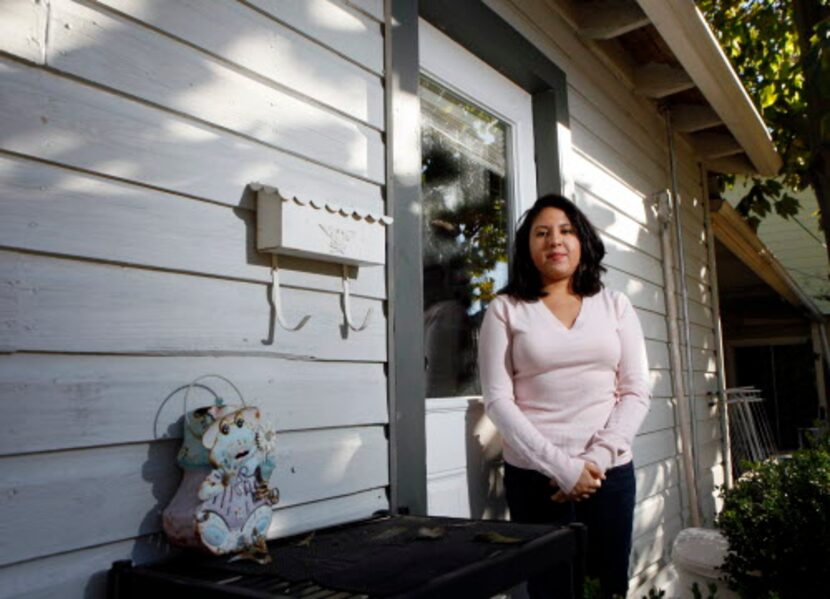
column 586, row 485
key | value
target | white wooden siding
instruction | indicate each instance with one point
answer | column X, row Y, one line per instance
column 661, row 385
column 330, row 23
column 373, row 8
column 642, row 294
column 129, row 485
column 128, row 265
column 144, row 64
column 620, row 225
column 656, row 477
column 654, row 325
column 71, row 123
column 73, row 401
column 268, row 49
column 651, row 512
column 60, row 211
column 80, row 306
column 23, row 29
column 660, row 415
column 631, row 260
column 654, row 547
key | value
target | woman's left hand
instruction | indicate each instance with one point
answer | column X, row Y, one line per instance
column 578, row 495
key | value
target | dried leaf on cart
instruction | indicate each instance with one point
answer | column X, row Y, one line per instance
column 498, row 538
column 426, row 532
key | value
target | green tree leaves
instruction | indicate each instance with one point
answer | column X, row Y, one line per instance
column 781, row 51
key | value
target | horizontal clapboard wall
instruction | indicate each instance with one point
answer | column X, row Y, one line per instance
column 144, row 64
column 129, row 485
column 58, row 210
column 128, row 265
column 63, row 305
column 75, row 400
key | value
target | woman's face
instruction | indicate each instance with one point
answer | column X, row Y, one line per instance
column 554, row 246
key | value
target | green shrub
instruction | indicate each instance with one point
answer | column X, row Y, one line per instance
column 777, row 521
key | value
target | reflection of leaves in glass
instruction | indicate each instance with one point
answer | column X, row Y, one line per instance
column 465, row 232
column 465, row 214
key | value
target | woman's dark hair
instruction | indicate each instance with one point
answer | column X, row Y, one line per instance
column 524, row 281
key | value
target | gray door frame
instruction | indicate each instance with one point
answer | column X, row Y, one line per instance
column 484, row 33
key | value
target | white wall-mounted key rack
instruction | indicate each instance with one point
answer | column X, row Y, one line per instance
column 319, row 231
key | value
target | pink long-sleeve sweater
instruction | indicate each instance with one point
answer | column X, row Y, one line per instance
column 561, row 397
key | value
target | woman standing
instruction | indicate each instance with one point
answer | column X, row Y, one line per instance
column 565, row 380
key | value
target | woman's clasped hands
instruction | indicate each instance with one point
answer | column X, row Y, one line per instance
column 589, row 481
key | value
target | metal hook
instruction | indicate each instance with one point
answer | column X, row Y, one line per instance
column 275, row 298
column 347, row 306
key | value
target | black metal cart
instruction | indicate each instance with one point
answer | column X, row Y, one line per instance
column 392, row 556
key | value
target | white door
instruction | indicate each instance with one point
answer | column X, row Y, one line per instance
column 478, row 177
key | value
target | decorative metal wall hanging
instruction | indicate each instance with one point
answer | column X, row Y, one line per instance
column 223, row 504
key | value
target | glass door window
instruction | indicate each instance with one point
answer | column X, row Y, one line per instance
column 464, row 179
column 477, row 175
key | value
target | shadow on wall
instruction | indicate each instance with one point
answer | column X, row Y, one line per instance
column 485, row 487
column 158, row 472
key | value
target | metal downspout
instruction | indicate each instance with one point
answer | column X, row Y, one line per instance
column 721, row 401
column 687, row 410
column 664, row 216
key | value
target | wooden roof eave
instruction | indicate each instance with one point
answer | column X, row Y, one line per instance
column 685, row 31
column 733, row 232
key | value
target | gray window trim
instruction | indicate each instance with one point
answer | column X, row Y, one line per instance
column 484, row 33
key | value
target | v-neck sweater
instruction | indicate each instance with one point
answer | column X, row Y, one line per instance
column 559, row 396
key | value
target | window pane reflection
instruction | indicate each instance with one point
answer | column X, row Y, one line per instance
column 464, row 190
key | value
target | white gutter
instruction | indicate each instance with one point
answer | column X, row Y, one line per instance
column 806, row 301
column 686, row 32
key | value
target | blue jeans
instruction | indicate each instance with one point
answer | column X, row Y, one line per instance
column 608, row 514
